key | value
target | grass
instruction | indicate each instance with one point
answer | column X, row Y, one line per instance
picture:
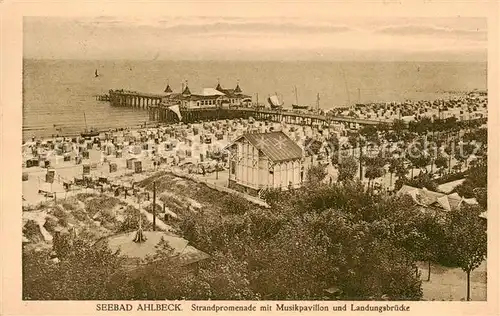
column 100, row 203
column 85, row 196
column 177, row 199
column 131, row 221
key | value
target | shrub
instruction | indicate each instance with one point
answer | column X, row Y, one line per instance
column 84, row 196
column 50, row 225
column 79, row 214
column 100, row 203
column 233, row 204
column 31, row 230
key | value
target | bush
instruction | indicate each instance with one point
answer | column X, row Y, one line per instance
column 31, row 230
column 85, row 196
column 149, row 208
column 451, row 177
column 79, row 214
column 108, row 215
column 50, row 225
column 101, row 203
column 131, row 220
column 233, row 204
column 68, row 206
column 61, row 214
column 421, row 181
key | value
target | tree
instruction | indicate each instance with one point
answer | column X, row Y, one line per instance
column 428, row 243
column 316, row 174
column 374, row 167
column 464, row 152
column 475, row 185
column 87, row 272
column 441, row 163
column 396, row 166
column 353, row 142
column 419, row 161
column 373, row 172
column 369, row 132
column 466, row 235
column 312, row 146
column 347, row 169
column 399, row 126
column 225, row 277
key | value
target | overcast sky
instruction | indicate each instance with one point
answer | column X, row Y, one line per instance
column 208, row 38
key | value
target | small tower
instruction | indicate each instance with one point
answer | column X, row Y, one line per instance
column 186, row 91
column 218, row 88
column 168, row 90
column 237, row 90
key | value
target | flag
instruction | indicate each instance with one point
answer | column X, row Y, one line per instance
column 175, row 109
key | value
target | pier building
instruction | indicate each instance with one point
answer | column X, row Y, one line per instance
column 208, row 98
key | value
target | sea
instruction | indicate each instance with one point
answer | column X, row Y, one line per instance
column 59, row 95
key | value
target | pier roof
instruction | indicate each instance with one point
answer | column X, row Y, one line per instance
column 211, row 92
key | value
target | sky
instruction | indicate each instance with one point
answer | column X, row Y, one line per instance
column 256, row 38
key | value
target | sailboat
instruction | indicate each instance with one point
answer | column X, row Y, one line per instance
column 96, row 74
column 317, row 102
column 88, row 132
column 274, row 102
column 349, row 104
column 297, row 106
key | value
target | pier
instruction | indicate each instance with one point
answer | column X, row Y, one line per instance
column 161, row 113
column 125, row 98
column 102, row 97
